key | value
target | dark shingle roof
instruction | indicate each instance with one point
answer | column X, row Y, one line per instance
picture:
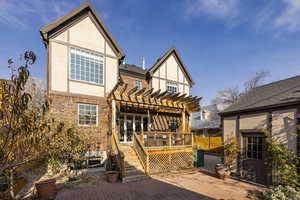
column 285, row 91
column 133, row 68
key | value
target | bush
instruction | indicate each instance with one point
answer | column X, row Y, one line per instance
column 279, row 193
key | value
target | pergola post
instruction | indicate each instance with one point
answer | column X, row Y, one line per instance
column 183, row 119
column 114, row 116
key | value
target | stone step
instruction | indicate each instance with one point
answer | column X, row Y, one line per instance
column 133, row 172
column 133, row 178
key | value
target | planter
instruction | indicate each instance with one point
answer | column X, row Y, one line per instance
column 46, row 189
column 112, row 176
column 222, row 171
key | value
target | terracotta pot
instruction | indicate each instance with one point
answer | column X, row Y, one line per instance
column 46, row 189
column 222, row 171
column 112, row 176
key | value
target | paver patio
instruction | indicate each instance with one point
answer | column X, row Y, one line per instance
column 186, row 186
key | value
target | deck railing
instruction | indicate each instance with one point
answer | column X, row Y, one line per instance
column 166, row 139
column 141, row 152
column 164, row 151
column 120, row 154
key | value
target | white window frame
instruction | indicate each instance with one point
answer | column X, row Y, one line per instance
column 97, row 115
column 91, row 54
column 138, row 84
column 172, row 84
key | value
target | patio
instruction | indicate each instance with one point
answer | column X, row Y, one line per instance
column 188, row 186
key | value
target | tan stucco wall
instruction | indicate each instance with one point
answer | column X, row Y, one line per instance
column 62, row 36
column 111, row 72
column 284, row 127
column 83, row 35
column 229, row 128
column 155, row 83
column 86, row 34
column 59, row 67
column 253, row 121
column 86, row 89
column 170, row 70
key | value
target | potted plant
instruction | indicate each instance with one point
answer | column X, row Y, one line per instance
column 112, row 172
column 46, row 189
column 231, row 152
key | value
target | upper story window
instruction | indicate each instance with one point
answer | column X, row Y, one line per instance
column 87, row 114
column 172, row 87
column 86, row 66
column 138, row 84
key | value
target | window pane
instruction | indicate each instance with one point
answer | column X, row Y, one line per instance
column 86, row 66
column 87, row 114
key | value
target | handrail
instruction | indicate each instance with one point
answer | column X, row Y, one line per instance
column 120, row 154
column 144, row 162
column 165, row 133
column 140, row 143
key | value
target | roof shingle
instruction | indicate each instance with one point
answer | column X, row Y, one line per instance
column 276, row 93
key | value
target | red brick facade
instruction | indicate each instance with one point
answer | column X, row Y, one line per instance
column 65, row 108
column 130, row 80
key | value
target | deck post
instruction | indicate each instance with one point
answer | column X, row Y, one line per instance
column 170, row 140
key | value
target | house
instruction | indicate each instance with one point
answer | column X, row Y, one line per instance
column 274, row 108
column 206, row 122
column 115, row 103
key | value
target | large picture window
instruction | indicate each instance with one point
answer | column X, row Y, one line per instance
column 86, row 66
column 87, row 114
column 172, row 87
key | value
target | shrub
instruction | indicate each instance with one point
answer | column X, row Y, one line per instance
column 278, row 193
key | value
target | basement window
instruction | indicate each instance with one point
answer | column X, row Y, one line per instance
column 87, row 114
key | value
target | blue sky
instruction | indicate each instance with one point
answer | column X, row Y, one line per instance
column 223, row 42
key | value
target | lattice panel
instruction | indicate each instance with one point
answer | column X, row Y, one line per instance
column 165, row 162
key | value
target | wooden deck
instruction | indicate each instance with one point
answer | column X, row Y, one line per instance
column 161, row 152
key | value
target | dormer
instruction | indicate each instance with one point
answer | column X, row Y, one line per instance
column 83, row 57
column 170, row 73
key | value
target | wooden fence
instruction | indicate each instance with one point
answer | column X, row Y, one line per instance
column 207, row 143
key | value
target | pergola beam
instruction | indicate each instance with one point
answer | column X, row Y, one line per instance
column 132, row 90
column 148, row 92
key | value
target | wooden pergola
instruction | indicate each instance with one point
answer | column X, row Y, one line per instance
column 162, row 102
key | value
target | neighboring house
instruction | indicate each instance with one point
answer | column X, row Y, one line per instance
column 207, row 122
column 273, row 107
column 91, row 87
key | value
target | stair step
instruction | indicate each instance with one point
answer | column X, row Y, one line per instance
column 133, row 173
column 127, row 179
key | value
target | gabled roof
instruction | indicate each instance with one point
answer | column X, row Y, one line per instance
column 64, row 22
column 133, row 68
column 178, row 58
column 276, row 94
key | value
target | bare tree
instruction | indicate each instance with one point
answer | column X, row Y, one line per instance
column 226, row 97
column 37, row 89
column 257, row 80
column 229, row 96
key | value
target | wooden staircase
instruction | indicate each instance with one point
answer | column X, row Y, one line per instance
column 133, row 170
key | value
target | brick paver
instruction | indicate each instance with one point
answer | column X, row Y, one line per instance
column 188, row 186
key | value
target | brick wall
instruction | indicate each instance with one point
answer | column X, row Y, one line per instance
column 65, row 108
column 130, row 80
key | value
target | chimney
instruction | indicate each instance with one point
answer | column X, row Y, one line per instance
column 143, row 62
